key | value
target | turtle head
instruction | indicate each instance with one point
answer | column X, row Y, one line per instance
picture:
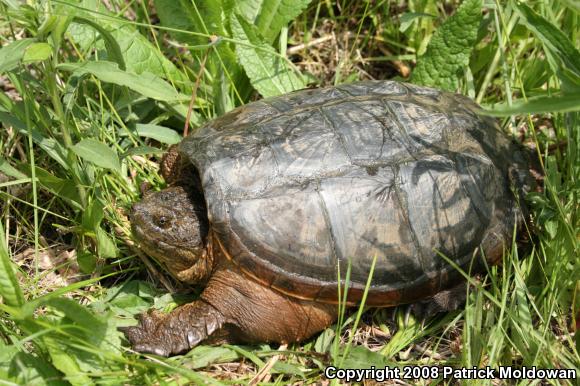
column 172, row 226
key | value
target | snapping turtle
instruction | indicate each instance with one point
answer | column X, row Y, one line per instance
column 270, row 203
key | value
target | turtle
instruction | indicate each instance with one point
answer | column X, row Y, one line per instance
column 271, row 206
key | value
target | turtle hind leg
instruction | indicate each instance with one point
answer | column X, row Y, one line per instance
column 176, row 332
column 444, row 301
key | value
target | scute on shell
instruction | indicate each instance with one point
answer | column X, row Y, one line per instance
column 302, row 185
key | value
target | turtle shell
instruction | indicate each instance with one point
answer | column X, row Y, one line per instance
column 377, row 177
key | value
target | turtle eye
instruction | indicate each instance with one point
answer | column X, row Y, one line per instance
column 162, row 221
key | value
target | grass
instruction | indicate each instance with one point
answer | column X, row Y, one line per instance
column 78, row 143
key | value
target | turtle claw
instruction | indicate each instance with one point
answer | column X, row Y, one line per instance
column 146, row 337
column 148, row 349
column 134, row 334
column 149, row 320
column 168, row 334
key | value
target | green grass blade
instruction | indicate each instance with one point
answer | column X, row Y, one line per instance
column 562, row 102
column 10, row 170
column 553, row 40
column 146, row 84
column 359, row 312
column 9, row 287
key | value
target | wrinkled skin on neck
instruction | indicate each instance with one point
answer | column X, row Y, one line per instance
column 172, row 226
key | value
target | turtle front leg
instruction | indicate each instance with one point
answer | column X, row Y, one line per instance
column 176, row 332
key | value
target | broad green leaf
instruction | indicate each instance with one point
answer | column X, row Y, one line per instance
column 121, row 39
column 106, row 248
column 146, row 84
column 553, row 40
column 11, row 54
column 65, row 362
column 408, row 18
column 9, row 119
column 248, row 9
column 449, row 49
column 360, row 357
column 129, row 298
column 269, row 16
column 203, row 356
column 197, row 20
column 62, row 187
column 276, row 14
column 113, row 48
column 92, row 215
column 92, row 327
column 193, row 23
column 91, row 221
column 87, row 262
column 564, row 102
column 324, row 340
column 9, row 288
column 269, row 73
column 27, row 369
column 143, row 57
column 86, row 37
column 97, row 153
column 53, row 148
column 158, row 133
column 288, row 368
column 142, row 150
column 37, row 52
